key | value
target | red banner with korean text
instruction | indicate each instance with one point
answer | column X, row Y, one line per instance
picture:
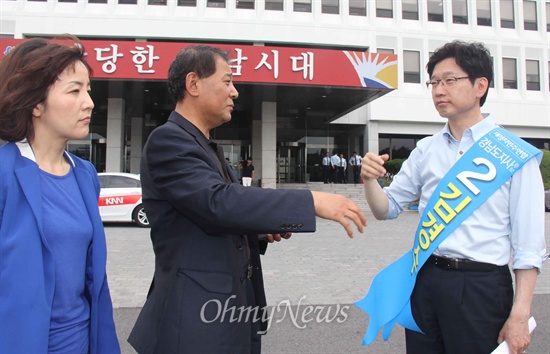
column 115, row 59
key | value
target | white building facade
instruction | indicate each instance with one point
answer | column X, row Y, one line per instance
column 516, row 32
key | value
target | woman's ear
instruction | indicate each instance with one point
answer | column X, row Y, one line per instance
column 38, row 110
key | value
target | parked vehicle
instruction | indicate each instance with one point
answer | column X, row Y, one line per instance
column 120, row 198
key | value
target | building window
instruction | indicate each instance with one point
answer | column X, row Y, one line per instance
column 548, row 17
column 409, row 9
column 302, row 5
column 507, row 14
column 330, row 7
column 533, row 75
column 435, row 10
column 411, row 65
column 274, row 5
column 97, row 1
column 384, row 51
column 384, row 8
column 484, row 13
column 245, row 4
column 530, row 16
column 188, row 3
column 66, row 0
column 357, row 8
column 156, row 2
column 128, row 2
column 460, row 11
column 509, row 73
column 216, row 3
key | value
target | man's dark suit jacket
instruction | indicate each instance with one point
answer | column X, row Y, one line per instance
column 199, row 222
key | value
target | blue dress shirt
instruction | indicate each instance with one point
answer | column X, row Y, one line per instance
column 512, row 218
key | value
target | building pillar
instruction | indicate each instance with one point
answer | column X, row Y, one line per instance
column 256, row 150
column 137, row 144
column 136, row 100
column 371, row 137
column 269, row 145
column 115, row 135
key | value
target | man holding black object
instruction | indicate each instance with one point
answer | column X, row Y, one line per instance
column 205, row 225
column 248, row 172
column 481, row 197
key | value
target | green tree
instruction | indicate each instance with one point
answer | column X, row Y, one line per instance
column 394, row 165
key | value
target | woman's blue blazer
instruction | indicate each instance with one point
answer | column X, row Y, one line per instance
column 26, row 264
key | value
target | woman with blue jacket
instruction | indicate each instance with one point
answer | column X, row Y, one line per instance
column 54, row 296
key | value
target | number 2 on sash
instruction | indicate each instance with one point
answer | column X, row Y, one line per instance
column 488, row 176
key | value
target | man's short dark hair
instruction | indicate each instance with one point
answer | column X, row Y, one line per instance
column 474, row 58
column 200, row 59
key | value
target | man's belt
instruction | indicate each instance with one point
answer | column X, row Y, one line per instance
column 461, row 264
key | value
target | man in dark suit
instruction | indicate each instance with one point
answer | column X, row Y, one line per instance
column 207, row 249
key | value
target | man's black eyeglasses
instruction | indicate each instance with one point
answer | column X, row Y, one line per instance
column 448, row 81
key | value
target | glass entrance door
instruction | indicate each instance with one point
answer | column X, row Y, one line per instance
column 81, row 148
column 291, row 166
column 237, row 151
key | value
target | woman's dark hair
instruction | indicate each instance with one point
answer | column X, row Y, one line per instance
column 474, row 58
column 26, row 74
column 200, row 59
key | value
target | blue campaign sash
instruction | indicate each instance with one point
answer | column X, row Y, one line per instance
column 483, row 169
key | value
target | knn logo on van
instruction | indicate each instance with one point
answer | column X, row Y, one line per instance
column 119, row 200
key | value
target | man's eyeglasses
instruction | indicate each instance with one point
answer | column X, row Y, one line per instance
column 448, row 81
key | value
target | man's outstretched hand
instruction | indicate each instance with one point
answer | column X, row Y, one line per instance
column 339, row 208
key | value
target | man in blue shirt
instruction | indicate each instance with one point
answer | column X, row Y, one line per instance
column 335, row 162
column 469, row 307
column 342, row 170
column 355, row 162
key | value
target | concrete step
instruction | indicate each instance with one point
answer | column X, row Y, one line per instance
column 351, row 191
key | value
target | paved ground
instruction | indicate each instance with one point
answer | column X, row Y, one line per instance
column 325, row 268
